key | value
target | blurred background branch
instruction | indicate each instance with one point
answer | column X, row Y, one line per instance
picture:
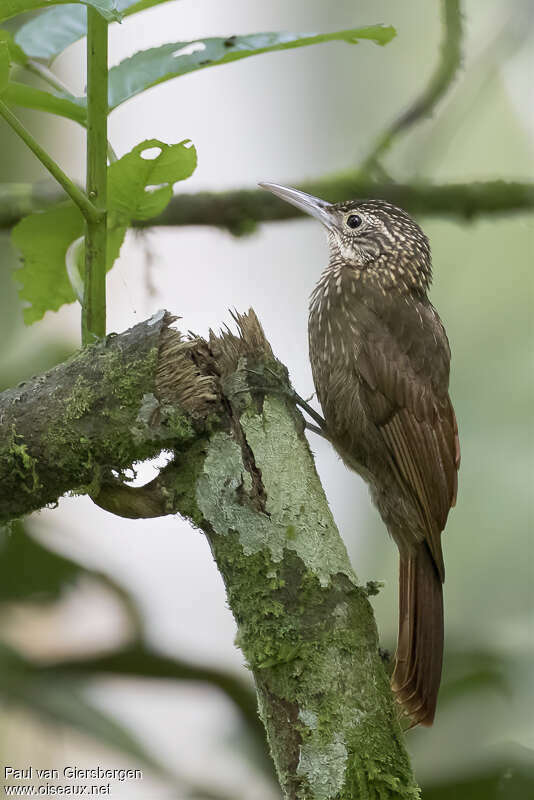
column 240, row 210
column 138, row 661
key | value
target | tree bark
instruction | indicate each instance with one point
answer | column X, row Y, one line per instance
column 244, row 474
column 119, row 401
column 240, row 211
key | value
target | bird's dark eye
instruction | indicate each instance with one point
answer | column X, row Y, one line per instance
column 354, row 221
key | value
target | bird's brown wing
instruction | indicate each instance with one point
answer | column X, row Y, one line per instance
column 404, row 370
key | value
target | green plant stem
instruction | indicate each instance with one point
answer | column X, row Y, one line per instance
column 89, row 211
column 94, row 305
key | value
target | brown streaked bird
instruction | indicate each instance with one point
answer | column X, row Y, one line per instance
column 380, row 361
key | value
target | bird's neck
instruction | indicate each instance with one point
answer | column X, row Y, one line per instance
column 341, row 281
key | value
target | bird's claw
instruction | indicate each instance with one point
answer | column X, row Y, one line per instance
column 289, row 392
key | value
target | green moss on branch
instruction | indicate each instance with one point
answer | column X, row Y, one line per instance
column 114, row 403
column 305, row 625
column 240, row 211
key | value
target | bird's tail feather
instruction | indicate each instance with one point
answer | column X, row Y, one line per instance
column 419, row 656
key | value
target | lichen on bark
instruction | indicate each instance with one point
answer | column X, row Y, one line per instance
column 305, row 625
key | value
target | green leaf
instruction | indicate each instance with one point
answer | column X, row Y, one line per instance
column 134, row 190
column 138, row 188
column 30, row 572
column 59, row 699
column 150, row 67
column 10, row 8
column 17, row 55
column 43, row 239
column 61, row 104
column 130, row 176
column 50, row 33
column 4, row 66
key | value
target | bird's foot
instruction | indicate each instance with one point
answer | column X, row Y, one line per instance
column 311, row 412
column 282, row 388
column 317, row 430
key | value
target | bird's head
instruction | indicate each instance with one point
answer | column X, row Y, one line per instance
column 375, row 238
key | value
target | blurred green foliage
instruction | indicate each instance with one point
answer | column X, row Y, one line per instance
column 30, row 573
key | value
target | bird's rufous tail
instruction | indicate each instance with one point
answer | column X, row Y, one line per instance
column 419, row 656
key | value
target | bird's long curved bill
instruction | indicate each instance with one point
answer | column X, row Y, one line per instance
column 318, row 208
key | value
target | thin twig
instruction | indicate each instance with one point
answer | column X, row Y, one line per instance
column 85, row 205
column 440, row 82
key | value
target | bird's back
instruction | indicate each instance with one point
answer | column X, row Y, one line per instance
column 372, row 351
column 380, row 362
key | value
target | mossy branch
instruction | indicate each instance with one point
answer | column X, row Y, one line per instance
column 244, row 474
column 117, row 402
column 241, row 210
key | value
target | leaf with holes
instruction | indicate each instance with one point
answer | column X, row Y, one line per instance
column 133, row 178
column 10, row 8
column 47, row 35
column 150, row 67
column 139, row 187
